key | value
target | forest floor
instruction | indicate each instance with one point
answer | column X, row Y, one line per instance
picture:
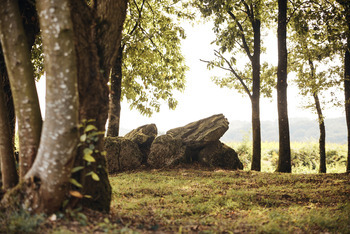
column 197, row 200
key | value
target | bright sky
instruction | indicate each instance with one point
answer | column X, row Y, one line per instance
column 202, row 98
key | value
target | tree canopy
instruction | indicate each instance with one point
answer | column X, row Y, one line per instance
column 153, row 64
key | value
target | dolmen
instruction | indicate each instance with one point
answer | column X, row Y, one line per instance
column 196, row 142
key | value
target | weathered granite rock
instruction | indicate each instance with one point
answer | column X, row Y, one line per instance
column 122, row 154
column 184, row 144
column 143, row 136
column 166, row 151
column 219, row 155
column 203, row 132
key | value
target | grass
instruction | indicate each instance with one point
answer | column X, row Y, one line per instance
column 193, row 200
column 305, row 156
column 202, row 200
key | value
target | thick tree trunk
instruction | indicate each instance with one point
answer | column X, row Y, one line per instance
column 97, row 48
column 8, row 167
column 322, row 140
column 20, row 71
column 347, row 101
column 51, row 171
column 284, row 160
column 115, row 96
column 256, row 160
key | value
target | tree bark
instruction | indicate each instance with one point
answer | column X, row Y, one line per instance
column 7, row 126
column 322, row 139
column 347, row 101
column 115, row 96
column 256, row 158
column 20, row 71
column 51, row 171
column 284, row 160
column 10, row 109
column 8, row 167
column 96, row 47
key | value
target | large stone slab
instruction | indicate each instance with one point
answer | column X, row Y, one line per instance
column 220, row 155
column 202, row 132
column 143, row 136
column 166, row 151
column 122, row 154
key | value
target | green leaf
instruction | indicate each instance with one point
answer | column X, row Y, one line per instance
column 83, row 137
column 87, row 151
column 90, row 127
column 95, row 176
column 103, row 153
column 89, row 158
column 75, row 169
column 74, row 182
column 88, row 196
column 65, row 203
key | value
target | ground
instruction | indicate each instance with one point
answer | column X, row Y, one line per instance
column 212, row 201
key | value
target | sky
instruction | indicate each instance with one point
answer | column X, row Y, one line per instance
column 202, row 98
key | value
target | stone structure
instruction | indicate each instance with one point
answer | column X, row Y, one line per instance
column 122, row 154
column 143, row 136
column 197, row 141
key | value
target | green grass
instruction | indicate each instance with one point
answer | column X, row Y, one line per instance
column 305, row 156
column 232, row 201
column 201, row 200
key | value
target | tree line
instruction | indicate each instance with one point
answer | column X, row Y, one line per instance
column 318, row 35
column 97, row 52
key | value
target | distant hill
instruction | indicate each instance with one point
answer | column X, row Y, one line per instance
column 300, row 130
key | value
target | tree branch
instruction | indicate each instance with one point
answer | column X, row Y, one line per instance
column 241, row 80
column 140, row 14
column 245, row 45
column 212, row 63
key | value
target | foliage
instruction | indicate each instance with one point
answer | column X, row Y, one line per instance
column 88, row 139
column 38, row 58
column 313, row 57
column 305, row 156
column 153, row 65
column 20, row 221
column 234, row 25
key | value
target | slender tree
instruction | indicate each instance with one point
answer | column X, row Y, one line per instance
column 20, row 70
column 284, row 160
column 238, row 29
column 346, row 13
column 311, row 51
column 347, row 100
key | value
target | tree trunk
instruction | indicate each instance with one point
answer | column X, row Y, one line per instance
column 96, row 47
column 347, row 101
column 8, row 167
column 115, row 96
column 10, row 109
column 20, row 71
column 256, row 158
column 322, row 140
column 284, row 160
column 51, row 171
column 7, row 122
